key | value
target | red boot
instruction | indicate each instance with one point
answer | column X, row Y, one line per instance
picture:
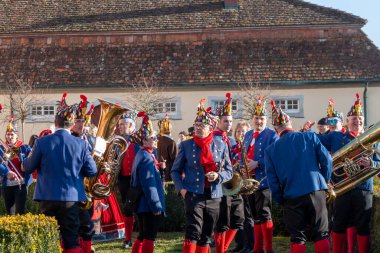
column 363, row 243
column 86, row 246
column 147, row 246
column 322, row 246
column 137, row 246
column 128, row 221
column 339, row 242
column 220, row 239
column 267, row 231
column 188, row 247
column 258, row 235
column 297, row 248
column 230, row 235
column 351, row 239
column 201, row 249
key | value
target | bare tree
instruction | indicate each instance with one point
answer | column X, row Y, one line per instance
column 249, row 93
column 22, row 96
column 147, row 95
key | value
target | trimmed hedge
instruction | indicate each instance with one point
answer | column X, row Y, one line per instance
column 29, row 233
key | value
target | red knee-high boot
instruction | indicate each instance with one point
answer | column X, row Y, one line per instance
column 322, row 246
column 351, row 239
column 258, row 235
column 137, row 246
column 339, row 242
column 201, row 249
column 188, row 247
column 128, row 221
column 363, row 243
column 267, row 231
column 297, row 248
column 230, row 235
column 220, row 239
column 147, row 246
column 86, row 246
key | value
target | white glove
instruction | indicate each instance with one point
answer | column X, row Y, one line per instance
column 100, row 146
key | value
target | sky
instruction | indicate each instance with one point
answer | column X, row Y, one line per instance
column 367, row 9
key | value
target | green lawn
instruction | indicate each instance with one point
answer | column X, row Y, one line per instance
column 172, row 242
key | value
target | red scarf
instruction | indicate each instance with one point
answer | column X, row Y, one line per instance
column 224, row 136
column 150, row 150
column 206, row 159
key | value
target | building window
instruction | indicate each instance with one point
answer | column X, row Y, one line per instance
column 43, row 110
column 169, row 107
column 220, row 103
column 292, row 105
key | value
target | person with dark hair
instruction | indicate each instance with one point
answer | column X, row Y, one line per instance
column 16, row 183
column 62, row 162
column 201, row 166
column 298, row 168
column 323, row 127
column 146, row 176
column 167, row 147
column 32, row 139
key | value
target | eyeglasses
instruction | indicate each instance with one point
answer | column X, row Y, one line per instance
column 332, row 121
column 154, row 137
column 200, row 126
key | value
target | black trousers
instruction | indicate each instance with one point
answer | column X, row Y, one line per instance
column 86, row 228
column 124, row 185
column 15, row 199
column 148, row 224
column 353, row 208
column 304, row 213
column 244, row 236
column 67, row 215
column 231, row 214
column 261, row 206
column 201, row 213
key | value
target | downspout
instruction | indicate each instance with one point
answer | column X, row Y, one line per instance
column 365, row 103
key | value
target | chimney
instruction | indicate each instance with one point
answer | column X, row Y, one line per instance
column 231, row 4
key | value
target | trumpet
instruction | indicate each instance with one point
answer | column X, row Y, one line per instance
column 6, row 160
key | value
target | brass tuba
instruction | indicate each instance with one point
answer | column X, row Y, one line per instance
column 102, row 185
column 237, row 184
column 346, row 172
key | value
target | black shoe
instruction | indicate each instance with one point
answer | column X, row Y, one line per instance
column 238, row 248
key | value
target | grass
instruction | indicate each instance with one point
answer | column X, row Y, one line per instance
column 172, row 243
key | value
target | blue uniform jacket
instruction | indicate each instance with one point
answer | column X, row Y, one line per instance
column 297, row 164
column 188, row 162
column 336, row 140
column 149, row 180
column 232, row 141
column 62, row 161
column 22, row 153
column 264, row 140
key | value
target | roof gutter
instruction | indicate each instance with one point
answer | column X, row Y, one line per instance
column 365, row 97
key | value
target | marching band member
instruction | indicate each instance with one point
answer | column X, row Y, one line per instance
column 127, row 126
column 167, row 147
column 86, row 228
column 231, row 216
column 354, row 207
column 62, row 161
column 16, row 183
column 244, row 238
column 146, row 176
column 205, row 163
column 334, row 118
column 323, row 127
column 255, row 143
column 298, row 167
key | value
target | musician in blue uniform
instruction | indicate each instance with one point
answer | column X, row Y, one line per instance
column 255, row 142
column 354, row 207
column 298, row 168
column 231, row 216
column 201, row 166
column 15, row 189
column 146, row 176
column 62, row 161
column 86, row 229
